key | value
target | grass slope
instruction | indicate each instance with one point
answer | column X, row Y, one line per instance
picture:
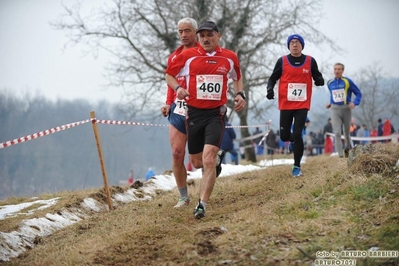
column 263, row 217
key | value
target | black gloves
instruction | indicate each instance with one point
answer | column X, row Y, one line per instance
column 270, row 94
column 319, row 82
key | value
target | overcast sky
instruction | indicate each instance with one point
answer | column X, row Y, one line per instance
column 32, row 57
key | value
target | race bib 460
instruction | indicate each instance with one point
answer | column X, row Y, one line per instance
column 209, row 87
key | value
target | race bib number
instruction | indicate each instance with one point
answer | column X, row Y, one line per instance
column 180, row 108
column 338, row 95
column 209, row 87
column 297, row 92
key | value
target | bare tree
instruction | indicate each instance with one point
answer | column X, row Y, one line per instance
column 378, row 96
column 142, row 34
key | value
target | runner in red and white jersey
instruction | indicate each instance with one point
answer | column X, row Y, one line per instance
column 175, row 110
column 206, row 70
column 205, row 74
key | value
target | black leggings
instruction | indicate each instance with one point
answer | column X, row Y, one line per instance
column 299, row 119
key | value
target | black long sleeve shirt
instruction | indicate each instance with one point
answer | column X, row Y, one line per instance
column 295, row 61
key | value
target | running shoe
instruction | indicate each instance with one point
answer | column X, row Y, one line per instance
column 220, row 157
column 199, row 211
column 296, row 171
column 221, row 154
column 346, row 152
column 183, row 202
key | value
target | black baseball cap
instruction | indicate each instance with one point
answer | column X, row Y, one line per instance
column 208, row 25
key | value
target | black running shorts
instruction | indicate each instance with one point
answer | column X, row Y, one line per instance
column 204, row 126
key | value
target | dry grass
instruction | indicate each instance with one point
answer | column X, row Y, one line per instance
column 263, row 217
column 375, row 158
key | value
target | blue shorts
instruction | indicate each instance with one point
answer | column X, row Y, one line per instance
column 177, row 120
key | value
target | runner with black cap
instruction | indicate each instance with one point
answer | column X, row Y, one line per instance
column 206, row 69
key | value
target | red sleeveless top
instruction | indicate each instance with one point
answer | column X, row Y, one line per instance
column 295, row 87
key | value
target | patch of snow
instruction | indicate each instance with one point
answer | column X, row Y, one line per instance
column 267, row 163
column 14, row 210
column 91, row 204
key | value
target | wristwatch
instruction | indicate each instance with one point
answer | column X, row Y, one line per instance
column 241, row 93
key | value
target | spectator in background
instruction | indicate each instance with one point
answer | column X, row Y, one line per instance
column 363, row 132
column 328, row 143
column 379, row 128
column 308, row 144
column 150, row 173
column 234, row 158
column 374, row 133
column 387, row 129
column 353, row 128
column 320, row 142
column 130, row 179
column 366, row 133
column 227, row 144
column 281, row 144
column 271, row 142
column 241, row 148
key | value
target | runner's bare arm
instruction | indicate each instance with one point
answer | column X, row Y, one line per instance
column 240, row 102
column 172, row 82
column 238, row 85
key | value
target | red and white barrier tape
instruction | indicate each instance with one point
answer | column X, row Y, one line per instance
column 93, row 120
column 42, row 133
column 245, row 126
column 115, row 122
column 267, row 124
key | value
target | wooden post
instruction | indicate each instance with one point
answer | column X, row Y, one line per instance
column 100, row 154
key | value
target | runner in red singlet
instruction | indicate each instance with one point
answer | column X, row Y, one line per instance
column 175, row 109
column 295, row 72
